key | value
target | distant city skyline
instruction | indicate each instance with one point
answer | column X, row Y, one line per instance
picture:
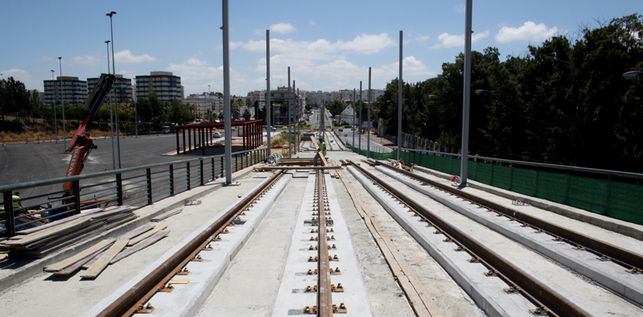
column 329, row 45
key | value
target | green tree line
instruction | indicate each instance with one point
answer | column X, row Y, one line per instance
column 566, row 102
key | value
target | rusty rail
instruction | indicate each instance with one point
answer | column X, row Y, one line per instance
column 135, row 298
column 324, row 295
column 619, row 255
column 540, row 294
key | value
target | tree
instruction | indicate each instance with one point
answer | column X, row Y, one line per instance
column 14, row 98
column 246, row 114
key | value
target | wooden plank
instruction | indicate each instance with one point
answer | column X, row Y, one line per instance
column 103, row 261
column 166, row 214
column 71, row 269
column 84, row 213
column 421, row 301
column 70, row 260
column 137, row 231
column 140, row 246
column 145, row 235
column 64, row 228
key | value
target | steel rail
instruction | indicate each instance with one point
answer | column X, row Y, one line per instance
column 129, row 302
column 324, row 295
column 617, row 254
column 542, row 295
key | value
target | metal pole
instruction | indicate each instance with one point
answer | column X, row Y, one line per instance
column 55, row 97
column 118, row 140
column 289, row 110
column 354, row 116
column 399, row 105
column 359, row 129
column 111, row 112
column 267, row 107
column 368, row 113
column 226, row 96
column 296, row 121
column 62, row 98
column 466, row 101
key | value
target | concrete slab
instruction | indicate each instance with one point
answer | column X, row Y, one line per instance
column 55, row 295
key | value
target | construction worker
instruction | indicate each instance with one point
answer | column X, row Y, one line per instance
column 16, row 201
column 322, row 147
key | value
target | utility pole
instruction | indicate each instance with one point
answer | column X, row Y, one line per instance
column 399, row 106
column 368, row 113
column 267, row 107
column 359, row 129
column 226, row 96
column 466, row 100
column 289, row 110
column 118, row 140
column 62, row 98
column 111, row 111
column 295, row 122
column 354, row 115
column 55, row 99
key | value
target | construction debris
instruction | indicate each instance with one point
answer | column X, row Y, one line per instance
column 40, row 241
column 188, row 202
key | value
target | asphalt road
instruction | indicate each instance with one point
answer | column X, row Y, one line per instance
column 31, row 162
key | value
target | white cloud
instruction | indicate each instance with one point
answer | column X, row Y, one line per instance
column 127, row 57
column 322, row 48
column 422, row 38
column 460, row 8
column 454, row 40
column 412, row 68
column 282, row 28
column 311, row 22
column 197, row 74
column 529, row 31
column 23, row 76
column 89, row 60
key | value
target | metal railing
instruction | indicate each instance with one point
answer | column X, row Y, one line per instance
column 138, row 186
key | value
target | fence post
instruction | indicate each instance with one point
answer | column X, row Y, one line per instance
column 9, row 214
column 148, row 175
column 187, row 173
column 222, row 168
column 171, row 179
column 201, row 170
column 212, row 165
column 76, row 189
column 119, row 189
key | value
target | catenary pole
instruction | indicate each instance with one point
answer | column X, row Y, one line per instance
column 118, row 140
column 267, row 107
column 399, row 105
column 354, row 116
column 289, row 113
column 466, row 100
column 226, row 96
column 62, row 98
column 359, row 129
column 368, row 114
column 111, row 111
column 55, row 99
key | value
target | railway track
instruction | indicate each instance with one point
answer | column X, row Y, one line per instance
column 543, row 295
column 136, row 299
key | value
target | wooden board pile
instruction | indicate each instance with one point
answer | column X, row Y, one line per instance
column 40, row 241
column 108, row 251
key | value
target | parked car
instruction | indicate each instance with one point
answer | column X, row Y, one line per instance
column 217, row 135
column 166, row 129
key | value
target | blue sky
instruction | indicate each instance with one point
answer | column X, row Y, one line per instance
column 328, row 44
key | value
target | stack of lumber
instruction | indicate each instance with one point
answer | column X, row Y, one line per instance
column 108, row 251
column 40, row 241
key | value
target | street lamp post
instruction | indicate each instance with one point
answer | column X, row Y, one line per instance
column 399, row 105
column 354, row 116
column 289, row 110
column 111, row 111
column 54, row 104
column 359, row 121
column 466, row 99
column 267, row 107
column 118, row 141
column 62, row 98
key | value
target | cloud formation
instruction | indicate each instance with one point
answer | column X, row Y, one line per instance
column 127, row 57
column 322, row 48
column 89, row 60
column 455, row 40
column 529, row 31
column 282, row 28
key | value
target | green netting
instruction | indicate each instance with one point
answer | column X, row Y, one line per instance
column 501, row 176
column 614, row 199
column 525, row 181
column 553, row 186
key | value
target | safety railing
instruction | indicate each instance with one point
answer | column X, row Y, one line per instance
column 29, row 204
column 612, row 193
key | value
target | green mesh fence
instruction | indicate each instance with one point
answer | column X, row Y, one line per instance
column 603, row 196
